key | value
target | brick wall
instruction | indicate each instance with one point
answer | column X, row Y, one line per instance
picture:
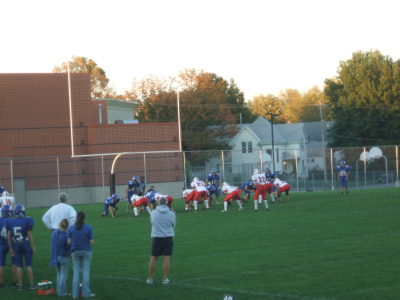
column 36, row 130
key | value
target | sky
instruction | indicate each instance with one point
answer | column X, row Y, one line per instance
column 265, row 46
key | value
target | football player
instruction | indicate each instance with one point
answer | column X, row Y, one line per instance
column 133, row 187
column 150, row 195
column 142, row 184
column 260, row 183
column 188, row 195
column 270, row 176
column 200, row 193
column 232, row 193
column 210, row 191
column 6, row 212
column 2, row 189
column 6, row 199
column 282, row 187
column 110, row 204
column 248, row 188
column 20, row 241
column 140, row 203
column 343, row 176
column 213, row 178
column 158, row 196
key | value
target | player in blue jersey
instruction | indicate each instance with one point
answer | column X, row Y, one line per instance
column 270, row 176
column 20, row 241
column 248, row 187
column 2, row 189
column 110, row 204
column 343, row 175
column 132, row 188
column 6, row 212
column 210, row 191
column 213, row 178
column 150, row 195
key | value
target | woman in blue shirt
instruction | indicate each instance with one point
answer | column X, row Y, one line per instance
column 60, row 252
column 80, row 237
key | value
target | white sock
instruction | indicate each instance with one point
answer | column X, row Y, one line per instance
column 266, row 203
column 272, row 197
column 256, row 204
column 206, row 202
column 238, row 203
column 260, row 199
column 195, row 204
column 135, row 211
column 148, row 210
column 225, row 205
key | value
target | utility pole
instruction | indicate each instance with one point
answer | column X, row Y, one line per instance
column 272, row 137
column 323, row 143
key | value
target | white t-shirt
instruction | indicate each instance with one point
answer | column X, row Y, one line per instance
column 199, row 186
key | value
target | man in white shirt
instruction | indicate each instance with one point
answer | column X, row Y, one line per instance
column 58, row 212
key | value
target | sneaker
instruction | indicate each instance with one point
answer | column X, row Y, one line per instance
column 256, row 210
column 90, row 296
column 273, row 202
column 195, row 210
column 267, row 209
column 32, row 287
column 102, row 215
column 15, row 284
column 127, row 211
column 20, row 288
column 224, row 211
column 217, row 203
column 149, row 280
column 241, row 208
column 165, row 281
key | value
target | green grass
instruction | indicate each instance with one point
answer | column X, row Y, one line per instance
column 321, row 245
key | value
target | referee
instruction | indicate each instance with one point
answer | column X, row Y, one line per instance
column 163, row 223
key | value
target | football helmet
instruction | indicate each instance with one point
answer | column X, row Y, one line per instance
column 224, row 188
column 135, row 179
column 267, row 169
column 214, row 170
column 342, row 162
column 255, row 171
column 19, row 211
column 115, row 198
column 5, row 194
column 195, row 179
column 157, row 196
column 225, row 184
column 6, row 211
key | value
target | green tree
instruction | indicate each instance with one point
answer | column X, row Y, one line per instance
column 98, row 78
column 239, row 108
column 264, row 105
column 205, row 115
column 364, row 99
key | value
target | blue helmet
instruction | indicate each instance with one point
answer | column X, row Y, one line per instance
column 19, row 211
column 267, row 169
column 135, row 179
column 214, row 170
column 342, row 162
column 6, row 211
column 115, row 197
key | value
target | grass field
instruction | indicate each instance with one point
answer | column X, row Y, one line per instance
column 320, row 245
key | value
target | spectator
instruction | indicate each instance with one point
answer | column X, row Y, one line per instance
column 58, row 212
column 20, row 243
column 80, row 237
column 60, row 252
column 163, row 222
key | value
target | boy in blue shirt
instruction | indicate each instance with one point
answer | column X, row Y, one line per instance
column 6, row 212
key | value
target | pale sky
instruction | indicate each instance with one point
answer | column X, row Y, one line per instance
column 265, row 46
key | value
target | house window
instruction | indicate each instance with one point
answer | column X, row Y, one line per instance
column 312, row 160
column 247, row 147
column 250, row 147
column 308, row 160
column 277, row 155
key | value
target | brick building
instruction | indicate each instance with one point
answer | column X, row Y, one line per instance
column 35, row 137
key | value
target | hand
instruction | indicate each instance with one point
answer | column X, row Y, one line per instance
column 33, row 252
column 12, row 253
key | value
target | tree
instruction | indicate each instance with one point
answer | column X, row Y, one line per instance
column 364, row 99
column 263, row 105
column 239, row 108
column 98, row 78
column 205, row 115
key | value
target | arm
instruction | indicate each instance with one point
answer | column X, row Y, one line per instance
column 72, row 215
column 126, row 192
column 347, row 177
column 91, row 242
column 30, row 238
column 111, row 212
column 46, row 219
column 69, row 241
column 10, row 244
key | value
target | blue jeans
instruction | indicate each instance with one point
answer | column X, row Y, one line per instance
column 62, row 273
column 81, row 258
